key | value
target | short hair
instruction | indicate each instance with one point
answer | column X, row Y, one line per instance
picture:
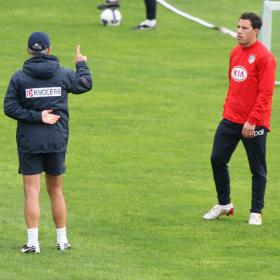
column 255, row 20
column 38, row 53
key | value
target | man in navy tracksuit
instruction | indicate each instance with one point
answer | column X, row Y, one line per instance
column 37, row 97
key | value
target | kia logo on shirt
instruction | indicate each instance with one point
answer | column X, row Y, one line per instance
column 239, row 73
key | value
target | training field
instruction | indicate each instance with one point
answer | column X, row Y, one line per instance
column 138, row 171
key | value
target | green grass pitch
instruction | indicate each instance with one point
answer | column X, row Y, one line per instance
column 138, row 172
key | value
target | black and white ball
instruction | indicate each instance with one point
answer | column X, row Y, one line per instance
column 111, row 17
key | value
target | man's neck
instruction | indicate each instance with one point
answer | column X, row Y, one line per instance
column 249, row 44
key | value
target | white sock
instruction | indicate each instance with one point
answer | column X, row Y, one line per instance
column 32, row 234
column 61, row 235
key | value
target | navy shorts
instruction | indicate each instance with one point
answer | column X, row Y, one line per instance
column 50, row 163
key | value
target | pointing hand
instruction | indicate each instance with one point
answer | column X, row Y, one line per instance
column 79, row 56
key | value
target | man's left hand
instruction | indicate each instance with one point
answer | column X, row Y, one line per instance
column 248, row 130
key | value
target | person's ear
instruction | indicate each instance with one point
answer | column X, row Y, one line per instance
column 49, row 51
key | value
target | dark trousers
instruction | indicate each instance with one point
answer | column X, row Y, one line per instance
column 227, row 137
column 151, row 8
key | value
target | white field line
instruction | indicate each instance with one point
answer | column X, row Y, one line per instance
column 224, row 30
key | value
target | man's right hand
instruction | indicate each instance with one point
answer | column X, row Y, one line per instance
column 79, row 56
column 49, row 118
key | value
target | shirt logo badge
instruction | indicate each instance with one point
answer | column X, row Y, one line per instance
column 251, row 58
column 239, row 74
column 42, row 92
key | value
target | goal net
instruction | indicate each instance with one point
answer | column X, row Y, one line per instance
column 270, row 35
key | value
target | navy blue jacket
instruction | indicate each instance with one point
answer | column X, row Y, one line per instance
column 43, row 85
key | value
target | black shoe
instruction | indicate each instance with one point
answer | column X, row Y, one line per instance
column 63, row 246
column 30, row 249
column 109, row 5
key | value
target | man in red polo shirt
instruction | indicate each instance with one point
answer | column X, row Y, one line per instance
column 246, row 117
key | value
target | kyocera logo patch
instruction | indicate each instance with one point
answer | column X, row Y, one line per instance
column 42, row 92
column 239, row 74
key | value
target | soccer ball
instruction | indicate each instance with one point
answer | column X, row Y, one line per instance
column 111, row 17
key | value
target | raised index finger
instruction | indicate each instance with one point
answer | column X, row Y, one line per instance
column 78, row 50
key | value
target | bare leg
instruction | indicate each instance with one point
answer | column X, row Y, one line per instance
column 54, row 188
column 32, row 186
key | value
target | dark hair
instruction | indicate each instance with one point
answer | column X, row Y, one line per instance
column 38, row 53
column 255, row 20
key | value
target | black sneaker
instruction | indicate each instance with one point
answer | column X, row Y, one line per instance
column 30, row 249
column 63, row 246
column 109, row 5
